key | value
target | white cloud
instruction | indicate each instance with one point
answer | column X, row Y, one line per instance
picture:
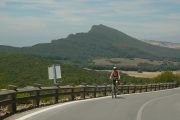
column 137, row 17
column 174, row 16
column 22, row 23
column 2, row 3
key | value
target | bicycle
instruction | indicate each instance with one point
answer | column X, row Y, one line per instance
column 115, row 88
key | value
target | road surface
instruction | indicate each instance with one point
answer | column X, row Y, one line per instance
column 161, row 105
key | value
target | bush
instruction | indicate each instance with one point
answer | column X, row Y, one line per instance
column 166, row 76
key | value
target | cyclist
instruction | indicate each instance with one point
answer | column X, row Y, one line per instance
column 115, row 77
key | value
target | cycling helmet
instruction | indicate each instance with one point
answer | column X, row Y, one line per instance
column 114, row 68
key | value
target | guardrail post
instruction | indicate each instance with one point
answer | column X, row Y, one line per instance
column 121, row 89
column 164, row 86
column 151, row 87
column 36, row 102
column 146, row 88
column 128, row 89
column 134, row 89
column 84, row 92
column 169, row 86
column 95, row 89
column 72, row 93
column 155, row 87
column 12, row 108
column 159, row 85
column 173, row 85
column 140, row 88
column 56, row 97
column 105, row 89
column 176, row 84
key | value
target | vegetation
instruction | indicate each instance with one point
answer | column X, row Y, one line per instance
column 23, row 70
column 167, row 77
column 164, row 77
column 164, row 66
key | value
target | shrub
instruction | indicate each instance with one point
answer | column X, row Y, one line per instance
column 166, row 76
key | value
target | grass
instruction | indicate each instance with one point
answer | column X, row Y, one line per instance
column 145, row 74
column 125, row 61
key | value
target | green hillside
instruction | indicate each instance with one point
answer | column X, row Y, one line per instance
column 23, row 70
column 100, row 42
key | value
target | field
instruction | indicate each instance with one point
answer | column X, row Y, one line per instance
column 125, row 61
column 145, row 74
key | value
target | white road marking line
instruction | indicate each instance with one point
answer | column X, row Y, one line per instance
column 53, row 107
column 139, row 115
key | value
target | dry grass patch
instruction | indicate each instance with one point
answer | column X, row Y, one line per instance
column 143, row 74
column 125, row 61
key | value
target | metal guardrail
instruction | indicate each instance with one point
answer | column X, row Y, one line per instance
column 13, row 97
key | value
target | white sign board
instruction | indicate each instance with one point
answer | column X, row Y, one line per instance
column 58, row 71
column 51, row 72
column 54, row 72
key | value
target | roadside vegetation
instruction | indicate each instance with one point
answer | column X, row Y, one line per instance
column 168, row 76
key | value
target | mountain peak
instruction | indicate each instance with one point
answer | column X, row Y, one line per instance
column 100, row 28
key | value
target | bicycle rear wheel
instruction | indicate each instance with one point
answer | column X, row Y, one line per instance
column 113, row 91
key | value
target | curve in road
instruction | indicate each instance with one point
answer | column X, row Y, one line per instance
column 158, row 105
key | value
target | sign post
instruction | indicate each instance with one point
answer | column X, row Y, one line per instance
column 54, row 72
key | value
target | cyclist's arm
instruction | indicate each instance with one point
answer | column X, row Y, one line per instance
column 119, row 76
column 111, row 76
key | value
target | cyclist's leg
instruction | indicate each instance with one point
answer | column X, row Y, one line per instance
column 117, row 87
column 113, row 90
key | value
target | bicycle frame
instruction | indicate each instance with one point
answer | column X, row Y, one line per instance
column 115, row 89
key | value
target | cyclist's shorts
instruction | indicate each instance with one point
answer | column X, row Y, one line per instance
column 115, row 78
column 114, row 81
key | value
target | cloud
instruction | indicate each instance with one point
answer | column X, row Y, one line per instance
column 50, row 19
column 174, row 17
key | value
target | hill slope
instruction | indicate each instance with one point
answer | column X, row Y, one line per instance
column 23, row 70
column 163, row 44
column 100, row 42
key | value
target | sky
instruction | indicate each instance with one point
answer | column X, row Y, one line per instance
column 29, row 22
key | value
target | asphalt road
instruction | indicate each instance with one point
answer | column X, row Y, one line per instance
column 162, row 105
